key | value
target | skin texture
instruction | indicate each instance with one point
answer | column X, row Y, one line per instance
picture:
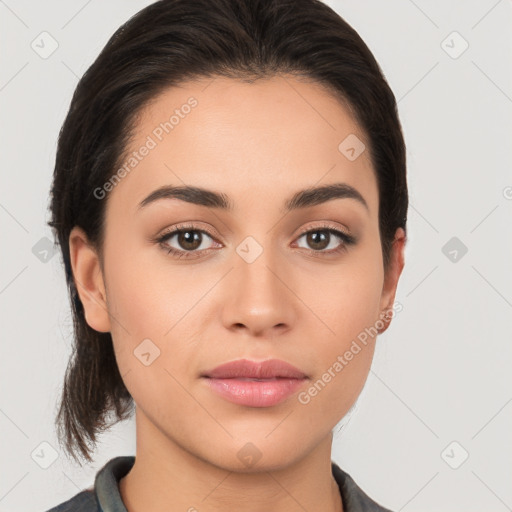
column 257, row 143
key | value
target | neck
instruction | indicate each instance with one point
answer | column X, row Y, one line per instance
column 165, row 476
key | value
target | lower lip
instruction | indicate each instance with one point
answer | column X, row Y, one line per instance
column 255, row 393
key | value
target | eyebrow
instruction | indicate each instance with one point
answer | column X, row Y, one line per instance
column 302, row 199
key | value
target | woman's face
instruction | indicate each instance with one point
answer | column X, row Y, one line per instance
column 242, row 281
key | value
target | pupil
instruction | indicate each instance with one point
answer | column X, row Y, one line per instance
column 318, row 237
column 188, row 239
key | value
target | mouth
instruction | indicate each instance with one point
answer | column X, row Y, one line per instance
column 255, row 384
column 263, row 370
column 255, row 392
column 259, row 380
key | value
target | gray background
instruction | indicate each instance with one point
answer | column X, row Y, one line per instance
column 441, row 373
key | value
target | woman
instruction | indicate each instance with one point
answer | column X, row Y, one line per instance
column 230, row 200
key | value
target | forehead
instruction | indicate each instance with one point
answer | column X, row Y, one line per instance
column 261, row 139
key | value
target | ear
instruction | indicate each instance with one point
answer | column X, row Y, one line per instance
column 88, row 279
column 396, row 264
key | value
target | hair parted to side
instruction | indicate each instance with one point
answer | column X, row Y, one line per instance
column 165, row 44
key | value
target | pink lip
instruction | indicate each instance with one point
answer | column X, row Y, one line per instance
column 244, row 368
column 235, row 381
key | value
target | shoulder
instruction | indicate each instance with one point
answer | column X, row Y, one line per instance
column 105, row 494
column 353, row 497
column 84, row 501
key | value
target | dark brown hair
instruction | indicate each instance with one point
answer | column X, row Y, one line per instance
column 166, row 44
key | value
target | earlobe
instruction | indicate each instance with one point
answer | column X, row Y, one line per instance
column 89, row 280
column 396, row 265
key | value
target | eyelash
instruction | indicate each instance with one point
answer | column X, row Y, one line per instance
column 180, row 228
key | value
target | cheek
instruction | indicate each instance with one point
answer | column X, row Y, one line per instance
column 345, row 298
column 146, row 302
column 151, row 331
column 358, row 303
column 147, row 294
column 346, row 303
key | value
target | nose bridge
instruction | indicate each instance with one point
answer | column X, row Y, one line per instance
column 259, row 298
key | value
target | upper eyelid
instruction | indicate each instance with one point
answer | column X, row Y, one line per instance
column 183, row 226
column 326, row 226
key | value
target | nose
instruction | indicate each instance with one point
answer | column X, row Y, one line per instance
column 259, row 297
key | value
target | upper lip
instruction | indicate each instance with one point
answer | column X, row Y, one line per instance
column 271, row 368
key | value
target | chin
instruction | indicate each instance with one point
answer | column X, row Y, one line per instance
column 256, row 454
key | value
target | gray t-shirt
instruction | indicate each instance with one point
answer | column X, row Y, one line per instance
column 105, row 496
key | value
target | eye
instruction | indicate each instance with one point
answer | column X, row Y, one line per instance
column 188, row 241
column 326, row 237
column 183, row 241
